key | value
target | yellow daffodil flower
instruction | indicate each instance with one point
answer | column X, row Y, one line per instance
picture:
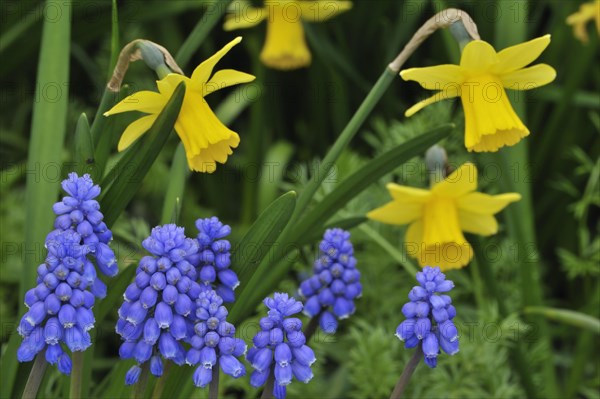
column 205, row 139
column 438, row 217
column 285, row 47
column 479, row 81
column 587, row 12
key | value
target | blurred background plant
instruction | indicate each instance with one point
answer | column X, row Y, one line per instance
column 287, row 121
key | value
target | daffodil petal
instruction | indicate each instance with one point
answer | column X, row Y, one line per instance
column 204, row 70
column 520, row 55
column 460, row 182
column 225, row 78
column 529, row 78
column 315, row 11
column 478, row 56
column 146, row 101
column 413, row 239
column 481, row 203
column 169, row 83
column 438, row 77
column 477, row 223
column 397, row 213
column 450, row 92
column 246, row 17
column 408, row 194
column 135, row 130
column 285, row 46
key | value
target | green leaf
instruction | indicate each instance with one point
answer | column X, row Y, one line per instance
column 271, row 176
column 345, row 223
column 570, row 317
column 364, row 177
column 256, row 243
column 117, row 285
column 122, row 182
column 84, row 147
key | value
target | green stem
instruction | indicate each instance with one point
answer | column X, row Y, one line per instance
column 585, row 347
column 268, row 391
column 394, row 252
column 35, row 376
column 312, row 327
column 76, row 376
column 139, row 389
column 160, row 383
column 408, row 371
column 213, row 387
column 210, row 18
column 175, row 187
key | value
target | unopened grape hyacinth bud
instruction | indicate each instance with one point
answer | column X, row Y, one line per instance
column 280, row 347
column 213, row 342
column 213, row 258
column 429, row 316
column 159, row 305
column 331, row 290
column 60, row 306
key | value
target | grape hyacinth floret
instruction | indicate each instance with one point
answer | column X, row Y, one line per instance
column 213, row 258
column 331, row 290
column 429, row 316
column 79, row 211
column 60, row 306
column 213, row 342
column 159, row 307
column 280, row 347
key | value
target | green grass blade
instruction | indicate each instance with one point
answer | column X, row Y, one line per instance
column 205, row 24
column 365, row 176
column 47, row 135
column 253, row 247
column 566, row 316
column 84, row 148
column 119, row 188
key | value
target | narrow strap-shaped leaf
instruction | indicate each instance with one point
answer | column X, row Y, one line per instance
column 279, row 259
column 566, row 316
column 84, row 147
column 365, row 176
column 124, row 179
column 262, row 234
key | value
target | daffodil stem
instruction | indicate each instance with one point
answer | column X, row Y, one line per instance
column 139, row 389
column 76, row 376
column 268, row 391
column 408, row 371
column 213, row 387
column 205, row 24
column 35, row 376
column 460, row 34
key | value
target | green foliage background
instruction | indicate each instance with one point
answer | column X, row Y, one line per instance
column 287, row 122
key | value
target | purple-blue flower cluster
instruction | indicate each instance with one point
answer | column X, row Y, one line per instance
column 160, row 303
column 280, row 347
column 213, row 342
column 213, row 258
column 79, row 211
column 60, row 306
column 429, row 316
column 331, row 290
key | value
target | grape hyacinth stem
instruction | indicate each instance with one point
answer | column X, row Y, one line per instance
column 160, row 383
column 408, row 371
column 213, row 387
column 35, row 376
column 268, row 391
column 312, row 327
column 76, row 376
column 139, row 389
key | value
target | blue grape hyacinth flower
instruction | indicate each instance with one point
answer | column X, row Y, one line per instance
column 213, row 343
column 335, row 283
column 159, row 305
column 80, row 211
column 60, row 306
column 280, row 347
column 429, row 316
column 213, row 258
